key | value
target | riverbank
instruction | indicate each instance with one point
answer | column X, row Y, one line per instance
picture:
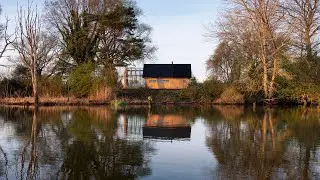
column 229, row 96
column 51, row 101
column 62, row 101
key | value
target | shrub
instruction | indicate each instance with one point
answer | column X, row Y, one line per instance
column 189, row 94
column 210, row 90
column 15, row 88
column 230, row 96
column 51, row 87
column 294, row 93
column 81, row 80
column 100, row 90
column 118, row 103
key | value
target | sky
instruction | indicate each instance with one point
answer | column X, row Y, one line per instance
column 179, row 29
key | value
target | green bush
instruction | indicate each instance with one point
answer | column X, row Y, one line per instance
column 210, row 90
column 294, row 93
column 118, row 103
column 189, row 94
column 81, row 80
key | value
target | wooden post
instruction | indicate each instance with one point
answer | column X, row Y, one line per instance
column 150, row 101
column 125, row 78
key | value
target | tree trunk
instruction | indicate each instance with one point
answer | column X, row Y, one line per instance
column 308, row 44
column 263, row 44
column 264, row 64
column 273, row 78
column 35, row 86
column 32, row 167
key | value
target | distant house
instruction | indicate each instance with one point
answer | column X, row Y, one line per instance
column 167, row 76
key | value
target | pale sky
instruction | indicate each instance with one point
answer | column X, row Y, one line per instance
column 178, row 26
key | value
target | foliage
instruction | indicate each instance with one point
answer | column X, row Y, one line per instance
column 205, row 92
column 193, row 81
column 261, row 48
column 51, row 86
column 81, row 80
column 225, row 63
column 108, row 33
column 231, row 96
column 210, row 90
column 21, row 72
column 118, row 103
column 13, row 87
column 18, row 84
column 293, row 92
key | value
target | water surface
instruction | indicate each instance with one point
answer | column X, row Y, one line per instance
column 222, row 142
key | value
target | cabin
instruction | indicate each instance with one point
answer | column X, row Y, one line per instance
column 167, row 76
column 157, row 76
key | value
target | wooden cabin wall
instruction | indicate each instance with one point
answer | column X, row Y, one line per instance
column 167, row 83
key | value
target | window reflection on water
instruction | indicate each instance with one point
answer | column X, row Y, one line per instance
column 222, row 142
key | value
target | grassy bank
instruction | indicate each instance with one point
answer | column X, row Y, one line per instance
column 206, row 94
column 51, row 101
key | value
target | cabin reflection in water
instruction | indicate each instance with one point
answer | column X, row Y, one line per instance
column 167, row 127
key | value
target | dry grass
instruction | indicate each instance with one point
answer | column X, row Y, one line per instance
column 51, row 101
column 102, row 93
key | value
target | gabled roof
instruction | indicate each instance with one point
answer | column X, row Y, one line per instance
column 167, row 70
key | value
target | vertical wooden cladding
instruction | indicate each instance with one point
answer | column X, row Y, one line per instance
column 167, row 76
column 167, row 83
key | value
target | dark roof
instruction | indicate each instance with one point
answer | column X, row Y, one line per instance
column 167, row 70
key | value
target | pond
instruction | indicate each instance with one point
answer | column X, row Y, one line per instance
column 221, row 142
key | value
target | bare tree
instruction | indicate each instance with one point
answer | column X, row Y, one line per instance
column 261, row 22
column 36, row 48
column 28, row 32
column 223, row 62
column 5, row 36
column 48, row 53
column 304, row 17
column 235, row 59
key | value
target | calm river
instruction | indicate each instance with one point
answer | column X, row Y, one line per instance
column 222, row 142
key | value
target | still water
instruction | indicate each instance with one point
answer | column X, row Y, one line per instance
column 222, row 142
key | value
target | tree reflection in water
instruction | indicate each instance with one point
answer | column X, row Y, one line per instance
column 3, row 163
column 268, row 144
column 72, row 144
column 100, row 143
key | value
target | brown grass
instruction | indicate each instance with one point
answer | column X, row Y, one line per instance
column 52, row 101
column 102, row 93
